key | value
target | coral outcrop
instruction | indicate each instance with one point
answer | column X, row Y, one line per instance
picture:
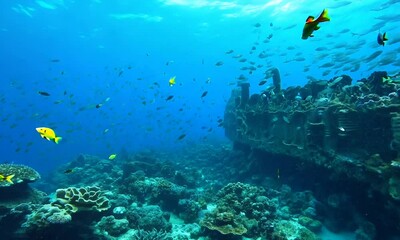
column 74, row 199
column 240, row 209
column 148, row 218
column 22, row 174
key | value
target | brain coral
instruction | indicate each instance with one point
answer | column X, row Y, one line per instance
column 85, row 198
column 21, row 174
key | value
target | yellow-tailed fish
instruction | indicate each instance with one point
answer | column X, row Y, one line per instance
column 112, row 156
column 48, row 134
column 312, row 25
column 172, row 81
column 7, row 178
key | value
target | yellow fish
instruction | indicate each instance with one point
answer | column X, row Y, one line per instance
column 48, row 134
column 172, row 81
column 112, row 156
column 7, row 178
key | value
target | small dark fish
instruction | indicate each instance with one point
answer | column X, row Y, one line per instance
column 262, row 82
column 65, row 92
column 181, row 137
column 204, row 94
column 120, row 73
column 44, row 93
column 169, row 97
column 229, row 51
column 220, row 63
column 55, row 60
column 381, row 39
column 67, row 171
column 257, row 25
column 221, row 124
column 99, row 105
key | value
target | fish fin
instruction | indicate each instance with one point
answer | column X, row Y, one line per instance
column 310, row 19
column 384, row 38
column 311, row 35
column 57, row 139
column 8, row 178
column 324, row 16
column 317, row 27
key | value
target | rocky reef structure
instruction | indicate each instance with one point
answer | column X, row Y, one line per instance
column 350, row 131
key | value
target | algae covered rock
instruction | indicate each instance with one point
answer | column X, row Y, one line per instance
column 22, row 174
column 84, row 198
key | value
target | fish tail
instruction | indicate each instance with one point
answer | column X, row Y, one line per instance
column 8, row 178
column 384, row 37
column 57, row 139
column 324, row 16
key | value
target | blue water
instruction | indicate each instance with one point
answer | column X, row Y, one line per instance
column 84, row 52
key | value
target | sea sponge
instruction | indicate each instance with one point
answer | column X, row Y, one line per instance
column 22, row 174
column 84, row 198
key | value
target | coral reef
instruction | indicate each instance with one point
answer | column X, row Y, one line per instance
column 148, row 218
column 109, row 225
column 85, row 198
column 151, row 235
column 22, row 174
column 238, row 209
column 46, row 215
column 155, row 191
column 285, row 229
